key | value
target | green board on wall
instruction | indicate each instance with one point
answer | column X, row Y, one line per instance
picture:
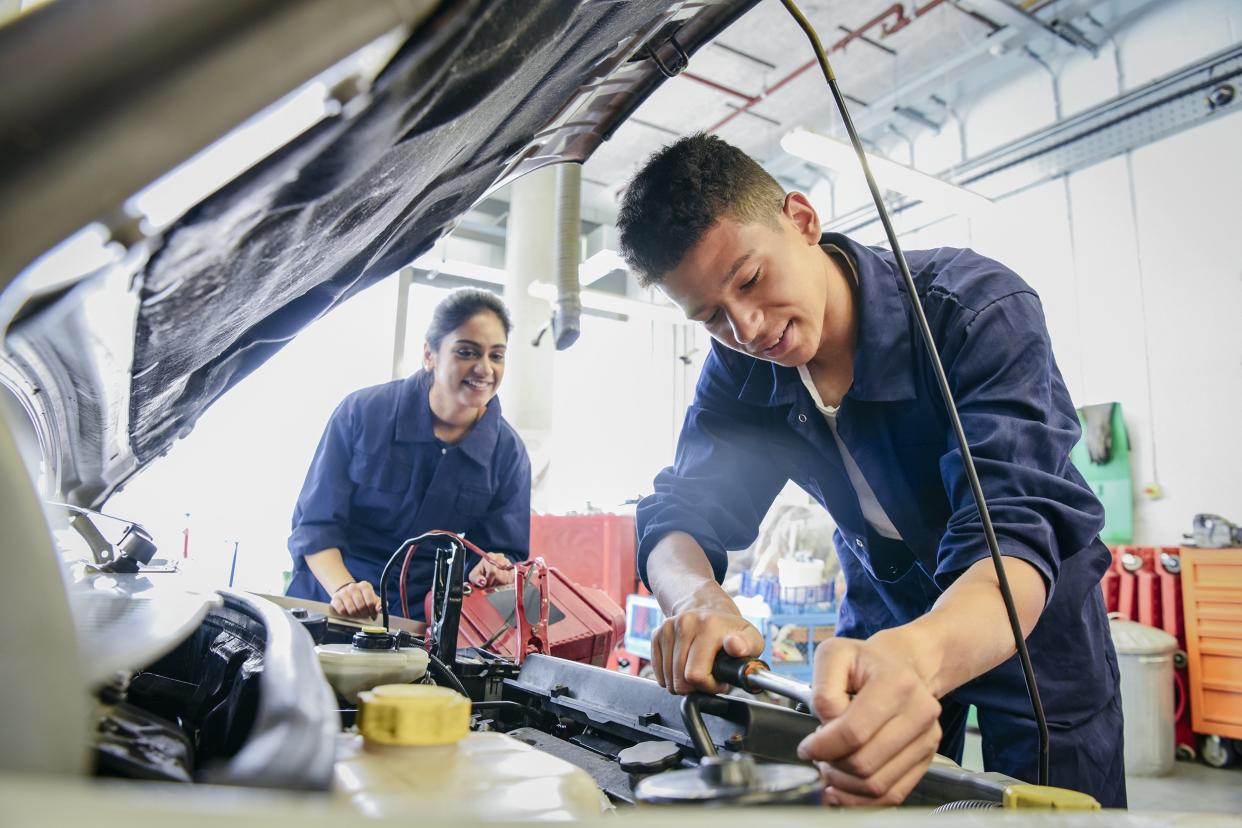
column 1111, row 479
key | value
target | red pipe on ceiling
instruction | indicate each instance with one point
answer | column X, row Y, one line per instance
column 896, row 11
column 720, row 87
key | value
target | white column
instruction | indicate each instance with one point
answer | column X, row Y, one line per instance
column 530, row 256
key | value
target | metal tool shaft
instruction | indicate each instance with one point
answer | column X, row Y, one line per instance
column 782, row 686
column 753, row 675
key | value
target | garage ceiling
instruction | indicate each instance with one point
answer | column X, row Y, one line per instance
column 904, row 66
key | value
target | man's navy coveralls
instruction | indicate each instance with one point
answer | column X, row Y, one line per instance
column 753, row 426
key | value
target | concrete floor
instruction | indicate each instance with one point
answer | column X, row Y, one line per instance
column 1192, row 786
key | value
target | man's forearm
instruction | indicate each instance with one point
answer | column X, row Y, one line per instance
column 967, row 632
column 700, row 618
column 681, row 577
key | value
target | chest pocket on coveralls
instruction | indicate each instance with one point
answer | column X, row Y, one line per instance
column 887, row 560
column 472, row 501
column 381, row 484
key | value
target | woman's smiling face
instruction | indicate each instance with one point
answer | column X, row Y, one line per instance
column 470, row 362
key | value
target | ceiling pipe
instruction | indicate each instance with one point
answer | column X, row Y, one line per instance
column 720, row 87
column 899, row 20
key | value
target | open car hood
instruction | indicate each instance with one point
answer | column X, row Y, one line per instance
column 113, row 367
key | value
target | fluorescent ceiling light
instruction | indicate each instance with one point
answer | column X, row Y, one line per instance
column 599, row 265
column 598, row 300
column 835, row 155
column 431, row 263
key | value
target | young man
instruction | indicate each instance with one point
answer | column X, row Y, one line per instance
column 817, row 375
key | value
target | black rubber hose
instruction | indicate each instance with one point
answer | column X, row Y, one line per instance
column 933, row 357
column 446, row 676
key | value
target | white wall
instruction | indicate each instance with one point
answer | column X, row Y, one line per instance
column 612, row 423
column 619, row 405
column 239, row 471
column 1134, row 259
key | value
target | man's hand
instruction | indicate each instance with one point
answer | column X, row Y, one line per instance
column 356, row 600
column 493, row 569
column 873, row 749
column 684, row 647
column 700, row 618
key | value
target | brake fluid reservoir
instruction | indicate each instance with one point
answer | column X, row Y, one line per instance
column 415, row 751
column 373, row 659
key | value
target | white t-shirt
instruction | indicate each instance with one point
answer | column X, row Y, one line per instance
column 872, row 511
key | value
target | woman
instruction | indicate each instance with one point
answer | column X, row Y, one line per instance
column 428, row 452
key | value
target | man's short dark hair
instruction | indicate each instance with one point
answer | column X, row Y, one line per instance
column 681, row 192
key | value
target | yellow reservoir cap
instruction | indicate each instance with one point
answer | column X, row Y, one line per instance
column 375, row 630
column 1047, row 798
column 413, row 714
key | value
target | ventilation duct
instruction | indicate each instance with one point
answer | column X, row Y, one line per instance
column 566, row 317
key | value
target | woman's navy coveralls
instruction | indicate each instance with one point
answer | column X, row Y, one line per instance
column 380, row 476
column 753, row 426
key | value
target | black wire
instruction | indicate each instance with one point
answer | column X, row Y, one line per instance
column 503, row 629
column 445, row 673
column 692, row 718
column 518, row 600
column 405, row 544
column 968, row 461
column 407, row 639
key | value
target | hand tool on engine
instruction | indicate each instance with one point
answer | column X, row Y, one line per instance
column 730, row 778
column 754, row 676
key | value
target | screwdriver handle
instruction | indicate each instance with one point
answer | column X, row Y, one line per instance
column 736, row 671
column 753, row 676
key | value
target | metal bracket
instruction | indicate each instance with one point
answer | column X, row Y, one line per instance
column 692, row 718
column 1020, row 20
column 101, row 550
column 666, row 70
column 446, row 600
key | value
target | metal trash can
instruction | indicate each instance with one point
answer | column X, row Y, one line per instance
column 1145, row 657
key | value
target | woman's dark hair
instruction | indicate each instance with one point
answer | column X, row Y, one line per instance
column 459, row 307
column 682, row 191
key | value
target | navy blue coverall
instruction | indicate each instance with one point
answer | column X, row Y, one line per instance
column 753, row 426
column 380, row 476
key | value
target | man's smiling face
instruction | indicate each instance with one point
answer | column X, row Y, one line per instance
column 758, row 288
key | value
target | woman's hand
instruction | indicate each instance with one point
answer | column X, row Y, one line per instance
column 493, row 569
column 356, row 599
column 349, row 597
